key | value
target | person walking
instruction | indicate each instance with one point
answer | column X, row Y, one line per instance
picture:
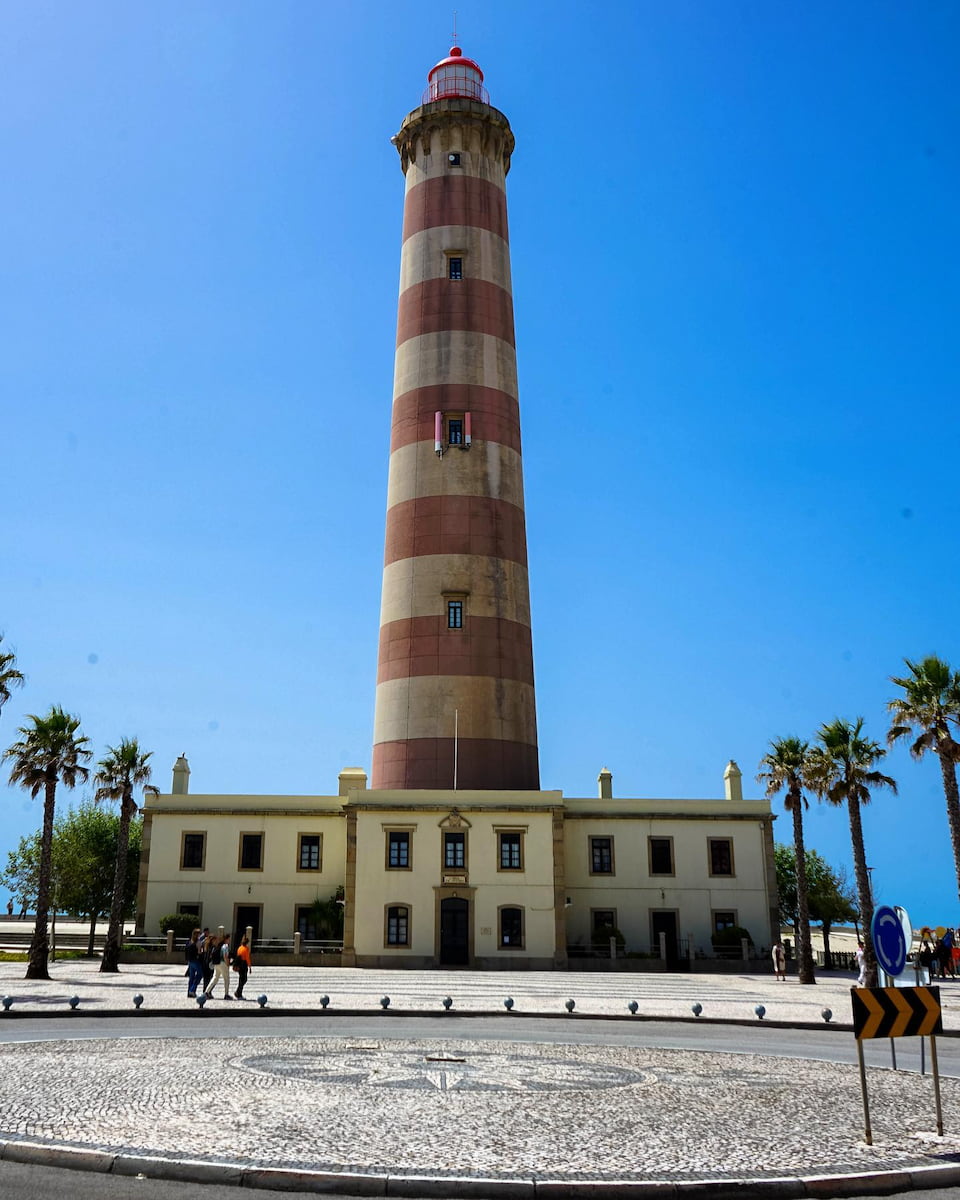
column 194, row 965
column 861, row 964
column 221, row 961
column 779, row 961
column 241, row 964
column 208, row 956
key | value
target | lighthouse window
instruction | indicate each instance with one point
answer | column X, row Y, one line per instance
column 455, row 431
column 456, row 268
column 454, row 614
column 453, row 159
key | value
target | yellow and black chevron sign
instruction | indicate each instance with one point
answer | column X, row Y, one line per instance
column 896, row 1012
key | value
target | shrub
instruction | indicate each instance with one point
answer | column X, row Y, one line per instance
column 731, row 936
column 182, row 924
column 600, row 939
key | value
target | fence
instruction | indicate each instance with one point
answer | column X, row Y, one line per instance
column 168, row 943
column 840, row 960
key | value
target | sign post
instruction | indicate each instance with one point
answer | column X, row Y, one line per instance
column 888, row 934
column 897, row 1012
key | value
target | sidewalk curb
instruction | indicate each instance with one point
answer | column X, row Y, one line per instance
column 206, row 1013
column 266, row 1013
column 801, row 1187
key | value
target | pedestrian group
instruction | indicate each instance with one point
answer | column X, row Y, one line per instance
column 210, row 958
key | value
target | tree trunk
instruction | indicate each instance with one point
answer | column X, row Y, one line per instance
column 111, row 950
column 864, row 895
column 40, row 943
column 804, row 952
column 93, row 934
column 948, row 769
column 825, row 930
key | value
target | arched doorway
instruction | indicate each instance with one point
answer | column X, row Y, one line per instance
column 454, row 932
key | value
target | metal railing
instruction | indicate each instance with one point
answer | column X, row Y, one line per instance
column 293, row 945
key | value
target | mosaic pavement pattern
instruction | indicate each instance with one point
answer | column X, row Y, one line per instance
column 458, row 1107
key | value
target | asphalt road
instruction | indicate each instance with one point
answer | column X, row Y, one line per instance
column 826, row 1044
column 20, row 1182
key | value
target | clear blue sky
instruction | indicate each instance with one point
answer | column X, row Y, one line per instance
column 735, row 252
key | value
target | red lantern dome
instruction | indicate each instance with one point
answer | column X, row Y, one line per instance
column 456, row 76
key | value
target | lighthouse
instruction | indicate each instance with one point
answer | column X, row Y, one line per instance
column 455, row 705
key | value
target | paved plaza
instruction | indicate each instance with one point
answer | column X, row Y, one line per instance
column 734, row 996
column 397, row 1112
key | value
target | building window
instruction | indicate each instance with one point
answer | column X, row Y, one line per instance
column 308, row 852
column 454, row 614
column 307, row 923
column 251, row 851
column 723, row 919
column 191, row 909
column 398, row 850
column 601, row 856
column 455, row 268
column 193, row 851
column 511, row 928
column 603, row 919
column 721, row 856
column 398, row 925
column 510, row 848
column 454, row 158
column 455, row 850
column 660, row 851
column 455, row 431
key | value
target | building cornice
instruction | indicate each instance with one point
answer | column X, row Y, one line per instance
column 431, row 120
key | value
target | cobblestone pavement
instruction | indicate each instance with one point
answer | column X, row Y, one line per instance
column 457, row 1107
column 492, row 1110
column 600, row 993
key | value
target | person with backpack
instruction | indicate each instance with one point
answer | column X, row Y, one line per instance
column 194, row 966
column 221, row 964
column 208, row 956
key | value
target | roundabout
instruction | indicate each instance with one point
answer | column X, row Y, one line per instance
column 463, row 1114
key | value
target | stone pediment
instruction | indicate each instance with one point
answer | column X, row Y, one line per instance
column 454, row 820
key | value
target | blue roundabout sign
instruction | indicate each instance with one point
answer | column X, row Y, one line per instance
column 889, row 940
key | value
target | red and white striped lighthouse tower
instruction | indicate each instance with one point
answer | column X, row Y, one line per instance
column 455, row 696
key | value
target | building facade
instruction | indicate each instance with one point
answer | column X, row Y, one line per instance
column 454, row 855
column 481, row 878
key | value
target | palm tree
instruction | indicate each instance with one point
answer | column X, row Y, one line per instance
column 10, row 677
column 51, row 751
column 840, row 771
column 125, row 768
column 784, row 768
column 930, row 704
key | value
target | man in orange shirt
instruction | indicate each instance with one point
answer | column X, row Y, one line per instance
column 241, row 965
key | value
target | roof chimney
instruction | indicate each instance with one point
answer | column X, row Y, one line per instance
column 733, row 781
column 352, row 779
column 605, row 781
column 181, row 776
